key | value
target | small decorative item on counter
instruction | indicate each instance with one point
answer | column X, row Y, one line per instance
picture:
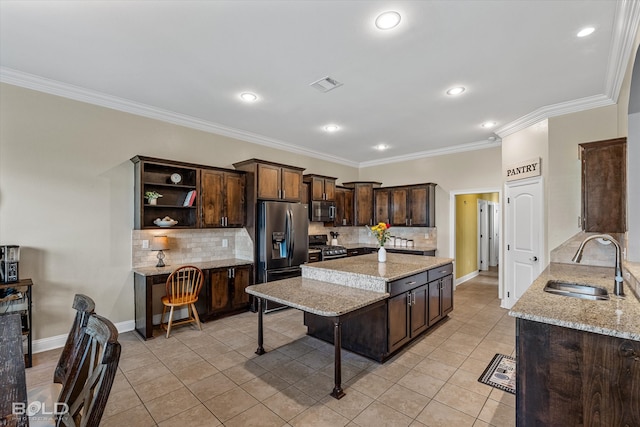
column 382, row 234
column 165, row 222
column 152, row 197
column 334, row 238
column 410, row 243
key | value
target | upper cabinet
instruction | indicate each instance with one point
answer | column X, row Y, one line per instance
column 410, row 205
column 222, row 198
column 321, row 187
column 173, row 181
column 362, row 201
column 274, row 181
column 604, row 186
column 344, row 207
column 195, row 196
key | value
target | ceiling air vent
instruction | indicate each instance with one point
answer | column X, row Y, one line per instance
column 326, row 84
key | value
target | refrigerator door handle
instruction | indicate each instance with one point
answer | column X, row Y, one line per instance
column 290, row 237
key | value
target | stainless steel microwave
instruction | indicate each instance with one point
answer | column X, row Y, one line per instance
column 322, row 211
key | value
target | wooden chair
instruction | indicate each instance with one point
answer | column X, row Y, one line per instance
column 49, row 394
column 182, row 288
column 89, row 379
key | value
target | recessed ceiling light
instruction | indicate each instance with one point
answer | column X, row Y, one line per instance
column 388, row 20
column 585, row 31
column 381, row 147
column 487, row 125
column 248, row 97
column 456, row 90
column 331, row 128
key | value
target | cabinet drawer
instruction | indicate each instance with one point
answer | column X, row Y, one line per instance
column 407, row 283
column 439, row 272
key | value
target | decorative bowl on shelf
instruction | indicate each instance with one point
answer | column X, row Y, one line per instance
column 165, row 222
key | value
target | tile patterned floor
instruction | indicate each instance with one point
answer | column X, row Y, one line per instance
column 213, row 377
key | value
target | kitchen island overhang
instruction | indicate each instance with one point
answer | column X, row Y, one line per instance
column 389, row 304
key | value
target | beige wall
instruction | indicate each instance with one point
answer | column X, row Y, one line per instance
column 471, row 170
column 66, row 194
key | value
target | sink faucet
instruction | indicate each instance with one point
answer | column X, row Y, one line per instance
column 618, row 285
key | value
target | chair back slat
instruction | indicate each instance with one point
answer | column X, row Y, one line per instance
column 84, row 307
column 184, row 284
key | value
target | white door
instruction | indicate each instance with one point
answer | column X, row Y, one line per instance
column 523, row 237
column 483, row 236
column 494, row 233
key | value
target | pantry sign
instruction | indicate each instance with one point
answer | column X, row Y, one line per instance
column 522, row 170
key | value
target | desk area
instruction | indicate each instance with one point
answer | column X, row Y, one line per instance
column 13, row 383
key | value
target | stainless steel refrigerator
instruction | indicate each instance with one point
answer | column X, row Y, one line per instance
column 282, row 241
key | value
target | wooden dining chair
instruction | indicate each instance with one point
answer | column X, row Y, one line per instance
column 89, row 379
column 49, row 394
column 182, row 289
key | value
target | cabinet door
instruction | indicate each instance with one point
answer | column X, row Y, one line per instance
column 291, row 185
column 381, row 205
column 419, row 309
column 604, row 186
column 269, row 178
column 240, row 283
column 344, row 207
column 422, row 206
column 235, row 212
column 211, row 198
column 435, row 313
column 447, row 295
column 317, row 188
column 399, row 215
column 219, row 290
column 398, row 311
column 363, row 204
column 330, row 189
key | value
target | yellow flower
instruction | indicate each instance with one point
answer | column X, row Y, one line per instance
column 380, row 232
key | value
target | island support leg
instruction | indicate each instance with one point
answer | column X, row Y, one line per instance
column 260, row 349
column 337, row 392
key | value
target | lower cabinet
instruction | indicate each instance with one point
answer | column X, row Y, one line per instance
column 224, row 291
column 415, row 304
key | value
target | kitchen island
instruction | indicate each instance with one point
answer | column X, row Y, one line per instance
column 578, row 360
column 362, row 305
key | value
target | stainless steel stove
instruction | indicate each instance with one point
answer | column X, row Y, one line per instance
column 319, row 242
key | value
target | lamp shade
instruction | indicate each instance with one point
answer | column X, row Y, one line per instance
column 159, row 243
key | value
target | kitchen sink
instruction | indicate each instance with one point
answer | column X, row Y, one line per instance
column 576, row 290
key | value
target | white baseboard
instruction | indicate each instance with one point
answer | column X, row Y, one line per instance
column 58, row 341
column 469, row 276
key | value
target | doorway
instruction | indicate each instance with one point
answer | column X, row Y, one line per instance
column 488, row 233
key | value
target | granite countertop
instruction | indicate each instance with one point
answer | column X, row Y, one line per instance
column 400, row 248
column 313, row 296
column 619, row 317
column 168, row 269
column 365, row 272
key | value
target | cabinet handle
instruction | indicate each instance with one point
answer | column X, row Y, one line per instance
column 414, row 297
column 409, row 299
column 443, row 271
column 413, row 282
column 226, row 221
column 410, row 221
column 283, row 194
column 233, row 273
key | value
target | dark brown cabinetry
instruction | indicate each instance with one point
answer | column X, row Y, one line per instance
column 225, row 291
column 604, row 186
column 321, row 187
column 567, row 377
column 344, row 206
column 274, row 181
column 362, row 201
column 155, row 175
column 20, row 303
column 412, row 205
column 415, row 303
column 222, row 198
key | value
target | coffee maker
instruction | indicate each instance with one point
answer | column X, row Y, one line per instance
column 9, row 258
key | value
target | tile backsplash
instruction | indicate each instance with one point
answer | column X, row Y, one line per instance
column 595, row 253
column 422, row 236
column 193, row 245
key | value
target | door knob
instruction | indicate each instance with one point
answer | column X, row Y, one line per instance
column 534, row 259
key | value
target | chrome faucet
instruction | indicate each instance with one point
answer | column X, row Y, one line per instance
column 618, row 288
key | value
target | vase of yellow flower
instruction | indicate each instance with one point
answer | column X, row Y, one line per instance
column 382, row 234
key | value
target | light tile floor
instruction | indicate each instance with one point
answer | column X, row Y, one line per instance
column 213, row 377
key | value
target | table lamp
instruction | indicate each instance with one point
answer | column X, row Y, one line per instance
column 160, row 243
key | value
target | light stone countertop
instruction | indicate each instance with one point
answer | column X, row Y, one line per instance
column 313, row 296
column 168, row 269
column 619, row 317
column 365, row 272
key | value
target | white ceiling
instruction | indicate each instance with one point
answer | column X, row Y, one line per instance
column 187, row 61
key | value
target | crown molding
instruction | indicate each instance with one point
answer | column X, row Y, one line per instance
column 625, row 29
column 53, row 87
column 473, row 146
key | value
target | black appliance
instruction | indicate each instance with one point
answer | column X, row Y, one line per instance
column 322, row 211
column 9, row 258
column 327, row 252
column 282, row 242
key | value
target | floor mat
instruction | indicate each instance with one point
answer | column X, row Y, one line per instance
column 501, row 373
